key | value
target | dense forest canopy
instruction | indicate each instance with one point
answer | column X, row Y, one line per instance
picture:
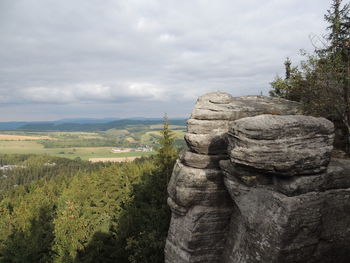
column 59, row 210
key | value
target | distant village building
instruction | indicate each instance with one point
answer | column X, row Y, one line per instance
column 143, row 149
column 50, row 164
column 138, row 149
column 116, row 150
column 11, row 166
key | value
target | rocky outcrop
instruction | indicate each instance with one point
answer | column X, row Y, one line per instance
column 283, row 145
column 304, row 218
column 257, row 184
column 214, row 113
column 200, row 203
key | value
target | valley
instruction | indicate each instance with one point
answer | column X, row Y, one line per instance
column 131, row 140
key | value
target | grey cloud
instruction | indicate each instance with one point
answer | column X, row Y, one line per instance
column 133, row 53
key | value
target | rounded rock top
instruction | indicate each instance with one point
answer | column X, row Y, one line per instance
column 269, row 127
column 216, row 97
column 282, row 144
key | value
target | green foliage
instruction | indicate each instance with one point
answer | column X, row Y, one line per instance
column 291, row 87
column 94, row 203
column 166, row 153
column 149, row 211
column 78, row 143
column 322, row 81
column 75, row 211
column 34, row 167
column 26, row 224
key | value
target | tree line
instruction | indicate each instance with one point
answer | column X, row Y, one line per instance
column 321, row 82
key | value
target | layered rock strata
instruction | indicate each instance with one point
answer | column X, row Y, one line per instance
column 282, row 145
column 258, row 185
column 200, row 203
column 289, row 204
column 214, row 113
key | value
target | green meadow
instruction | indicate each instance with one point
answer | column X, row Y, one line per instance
column 85, row 145
column 33, row 147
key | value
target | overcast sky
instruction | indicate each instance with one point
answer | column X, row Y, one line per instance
column 127, row 58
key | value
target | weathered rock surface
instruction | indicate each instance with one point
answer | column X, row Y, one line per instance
column 292, row 223
column 214, row 142
column 214, row 113
column 191, row 186
column 258, row 189
column 201, row 161
column 222, row 106
column 285, row 145
column 201, row 209
column 198, row 236
column 337, row 176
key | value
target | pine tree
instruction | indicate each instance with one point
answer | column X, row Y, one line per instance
column 151, row 210
column 166, row 153
column 322, row 83
column 337, row 17
column 337, row 58
column 287, row 65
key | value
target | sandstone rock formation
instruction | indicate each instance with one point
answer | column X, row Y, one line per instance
column 200, row 203
column 214, row 112
column 285, row 145
column 258, row 186
column 289, row 219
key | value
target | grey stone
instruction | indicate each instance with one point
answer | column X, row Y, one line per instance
column 212, row 143
column 191, row 186
column 275, row 127
column 201, row 161
column 199, row 236
column 337, row 176
column 248, row 177
column 277, row 199
column 222, row 106
column 207, row 126
column 216, row 98
column 268, row 226
column 283, row 145
column 214, row 112
column 175, row 208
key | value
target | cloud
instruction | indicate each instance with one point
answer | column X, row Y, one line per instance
column 139, row 52
column 88, row 93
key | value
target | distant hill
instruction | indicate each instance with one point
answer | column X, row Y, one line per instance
column 86, row 120
column 11, row 125
column 80, row 125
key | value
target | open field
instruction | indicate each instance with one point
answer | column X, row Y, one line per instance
column 10, row 137
column 86, row 145
column 27, row 147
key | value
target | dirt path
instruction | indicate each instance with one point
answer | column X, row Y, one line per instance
column 10, row 137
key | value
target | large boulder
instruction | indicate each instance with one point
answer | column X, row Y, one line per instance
column 283, row 145
column 214, row 113
column 214, row 142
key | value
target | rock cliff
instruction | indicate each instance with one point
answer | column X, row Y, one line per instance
column 257, row 184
